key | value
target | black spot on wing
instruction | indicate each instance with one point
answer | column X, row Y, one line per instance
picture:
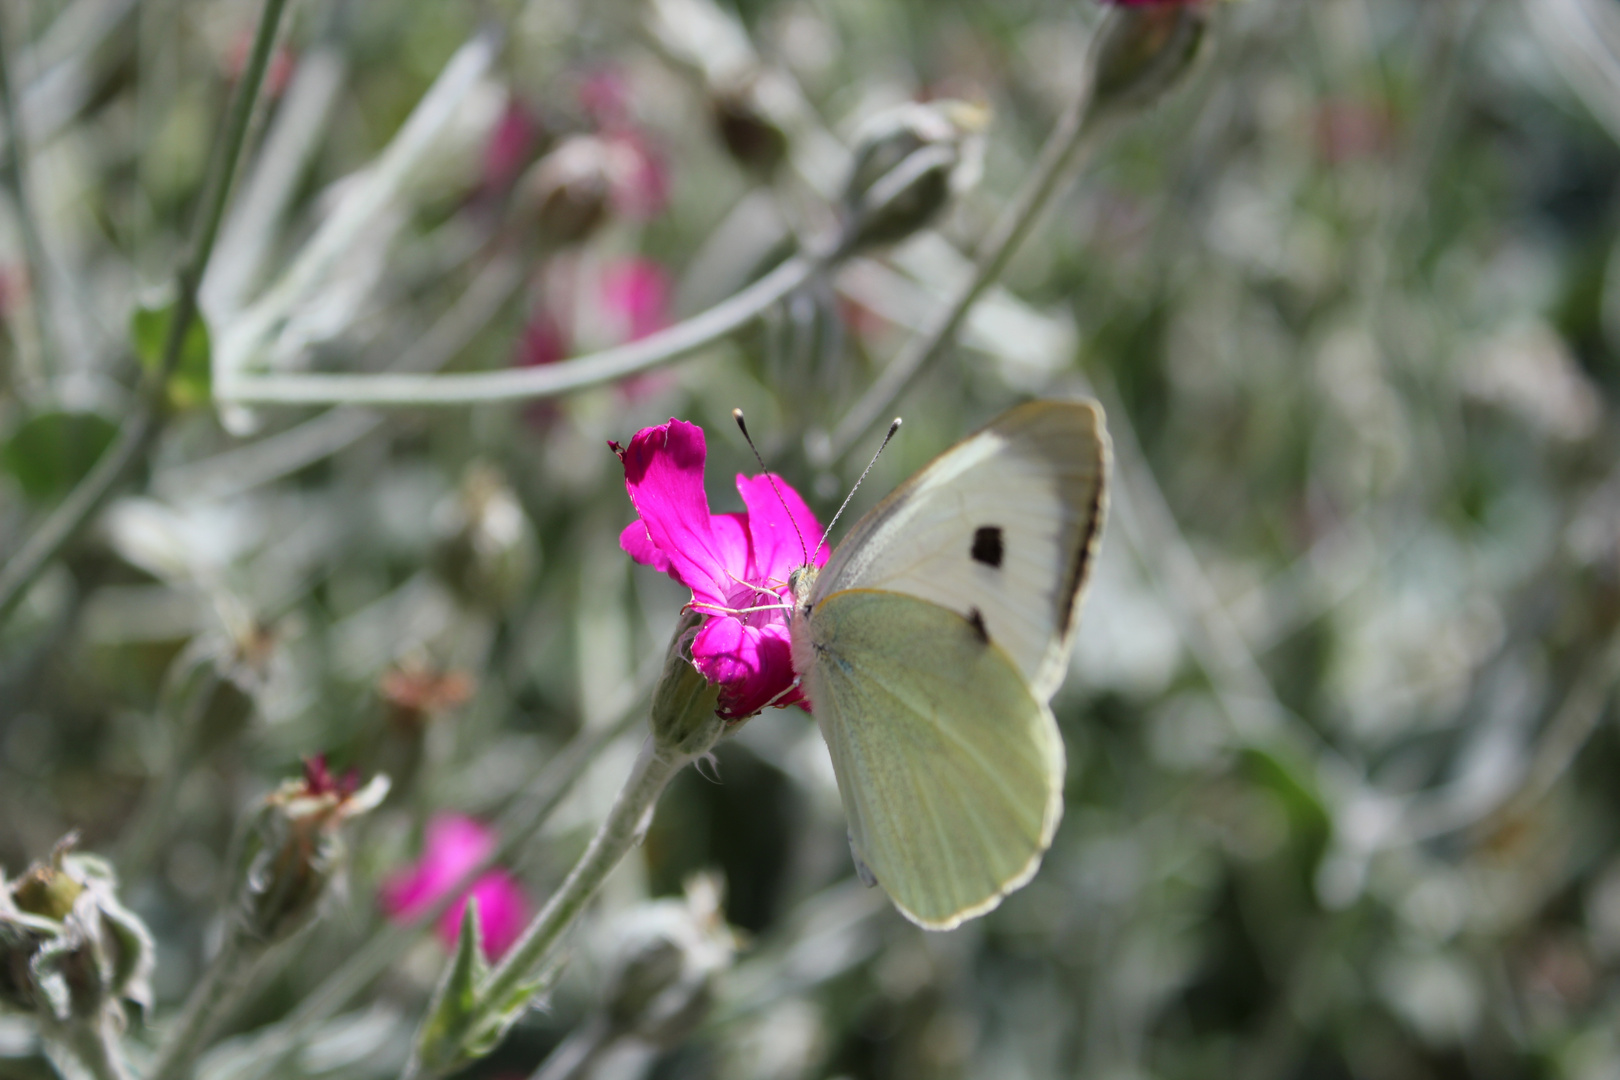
column 987, row 547
column 976, row 620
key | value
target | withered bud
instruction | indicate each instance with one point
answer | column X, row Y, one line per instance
column 416, row 694
column 487, row 550
column 296, row 848
column 908, row 164
column 662, row 980
column 1141, row 52
column 568, row 192
column 69, row 950
column 750, row 136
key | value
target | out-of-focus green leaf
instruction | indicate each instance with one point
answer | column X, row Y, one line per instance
column 51, row 451
column 190, row 383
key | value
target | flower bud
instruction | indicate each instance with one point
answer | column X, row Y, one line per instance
column 69, row 950
column 567, row 193
column 1142, row 51
column 662, row 980
column 487, row 549
column 296, row 849
column 908, row 163
column 684, row 702
column 750, row 136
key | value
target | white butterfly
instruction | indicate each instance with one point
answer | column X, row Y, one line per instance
column 930, row 645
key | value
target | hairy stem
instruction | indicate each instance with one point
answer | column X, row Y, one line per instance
column 91, row 1042
column 17, row 186
column 517, row 827
column 141, row 427
column 623, row 828
column 550, row 380
column 1063, row 146
column 221, row 987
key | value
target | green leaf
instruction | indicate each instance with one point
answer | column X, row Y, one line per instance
column 499, row 1016
column 190, row 382
column 454, row 1012
column 50, row 452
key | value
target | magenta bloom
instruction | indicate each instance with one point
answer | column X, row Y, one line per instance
column 636, row 296
column 454, row 845
column 511, row 145
column 729, row 561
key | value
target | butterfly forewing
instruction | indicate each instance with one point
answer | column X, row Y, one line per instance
column 950, row 769
column 1000, row 529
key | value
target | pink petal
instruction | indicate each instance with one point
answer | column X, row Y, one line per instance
column 636, row 293
column 753, row 665
column 781, row 533
column 454, row 844
column 639, row 546
column 663, row 472
column 503, row 912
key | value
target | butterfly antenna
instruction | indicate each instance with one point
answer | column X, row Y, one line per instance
column 742, row 425
column 894, row 427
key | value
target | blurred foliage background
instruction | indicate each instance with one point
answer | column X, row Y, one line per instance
column 1341, row 796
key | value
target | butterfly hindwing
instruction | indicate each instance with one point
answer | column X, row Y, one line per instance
column 949, row 767
column 1000, row 529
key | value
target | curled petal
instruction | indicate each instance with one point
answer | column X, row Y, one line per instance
column 639, row 546
column 663, row 472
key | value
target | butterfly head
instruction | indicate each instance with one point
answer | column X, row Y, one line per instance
column 800, row 583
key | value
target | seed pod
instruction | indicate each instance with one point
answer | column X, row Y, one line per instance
column 908, row 164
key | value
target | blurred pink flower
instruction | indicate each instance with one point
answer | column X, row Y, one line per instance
column 635, row 295
column 454, row 845
column 543, row 341
column 511, row 144
column 640, row 174
column 640, row 178
column 1348, row 129
column 729, row 561
column 276, row 77
column 604, row 94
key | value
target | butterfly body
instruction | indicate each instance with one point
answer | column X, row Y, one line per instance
column 930, row 644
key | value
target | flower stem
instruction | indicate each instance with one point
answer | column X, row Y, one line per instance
column 17, row 185
column 227, row 978
column 550, row 380
column 623, row 828
column 141, row 427
column 576, row 1055
column 91, row 1042
column 517, row 827
column 1063, row 146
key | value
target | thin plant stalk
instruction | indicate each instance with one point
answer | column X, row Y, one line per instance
column 1072, row 135
column 141, row 427
column 517, row 827
column 227, row 978
column 576, row 1055
column 18, row 187
column 550, row 380
column 624, row 826
column 92, row 1044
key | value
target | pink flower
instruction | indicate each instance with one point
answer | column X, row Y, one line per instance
column 454, row 845
column 635, row 294
column 543, row 341
column 510, row 146
column 640, row 176
column 731, row 562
